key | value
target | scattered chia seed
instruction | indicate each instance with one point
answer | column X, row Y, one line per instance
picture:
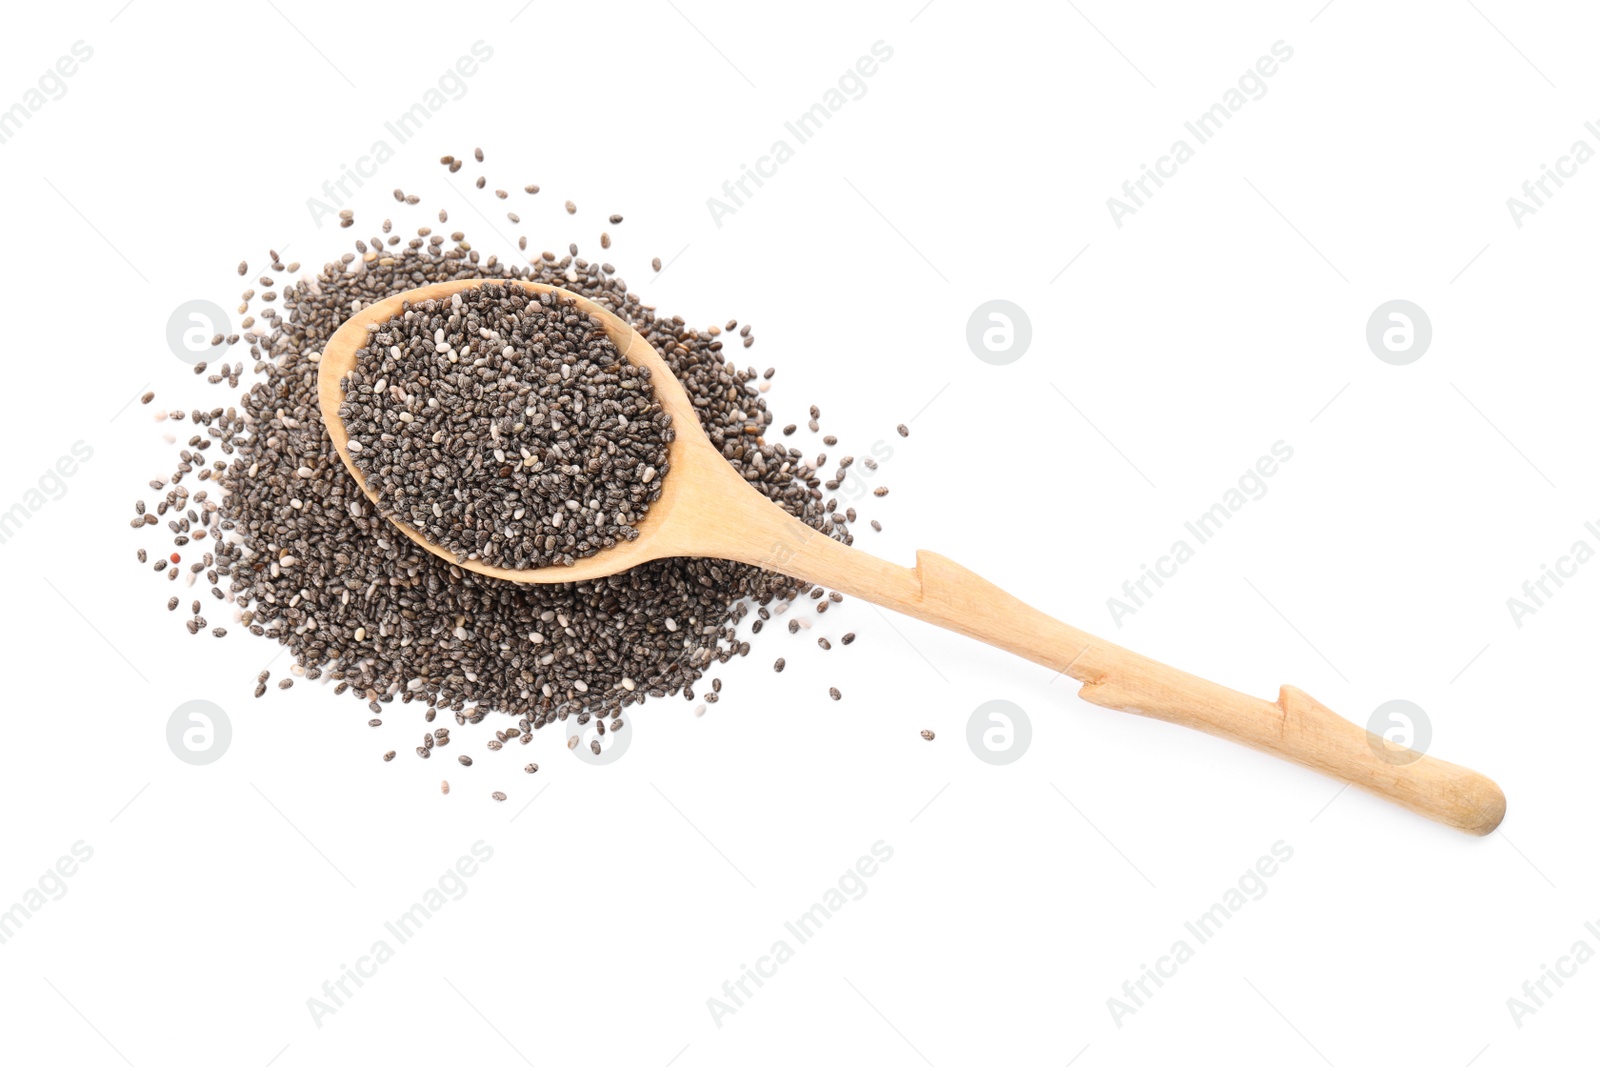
column 302, row 557
column 927, row 735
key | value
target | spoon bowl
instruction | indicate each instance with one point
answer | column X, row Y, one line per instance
column 707, row 509
column 697, row 476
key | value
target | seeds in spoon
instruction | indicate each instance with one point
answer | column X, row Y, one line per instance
column 506, row 427
column 389, row 622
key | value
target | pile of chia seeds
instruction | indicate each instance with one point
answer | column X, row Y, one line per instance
column 261, row 509
column 506, row 427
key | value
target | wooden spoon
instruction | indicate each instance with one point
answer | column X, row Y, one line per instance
column 706, row 508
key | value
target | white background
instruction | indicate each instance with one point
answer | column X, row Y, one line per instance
column 1227, row 314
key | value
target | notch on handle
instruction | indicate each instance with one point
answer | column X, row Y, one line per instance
column 1295, row 727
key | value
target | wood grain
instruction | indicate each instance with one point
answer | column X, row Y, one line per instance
column 706, row 508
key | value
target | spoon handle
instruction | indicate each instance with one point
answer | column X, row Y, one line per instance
column 1295, row 727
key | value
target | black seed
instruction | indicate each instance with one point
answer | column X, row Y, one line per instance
column 553, row 470
column 351, row 573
